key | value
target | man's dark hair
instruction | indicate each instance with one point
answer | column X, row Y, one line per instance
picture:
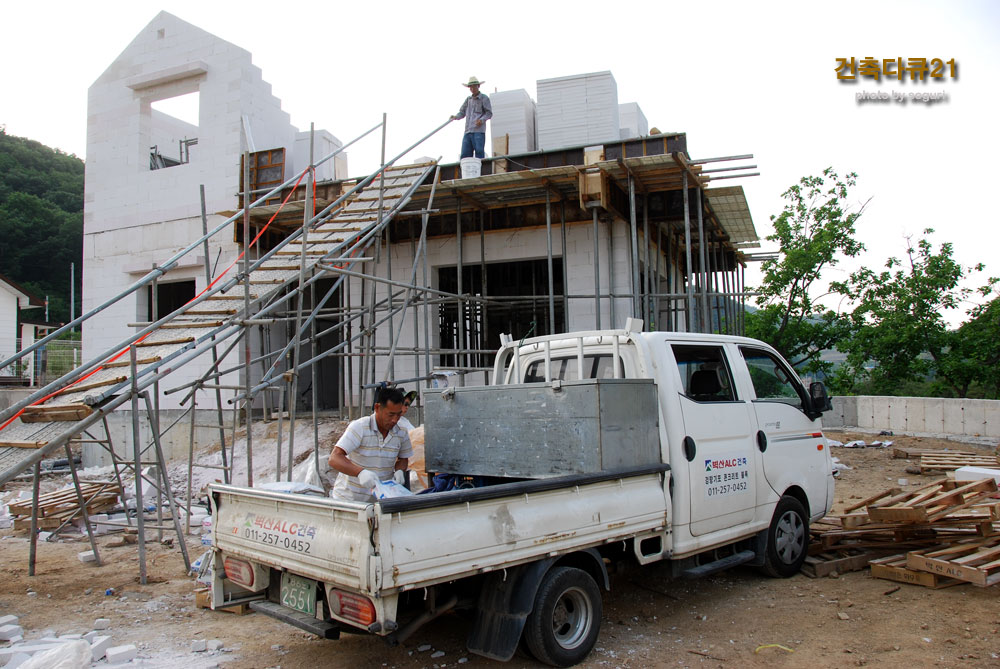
column 386, row 395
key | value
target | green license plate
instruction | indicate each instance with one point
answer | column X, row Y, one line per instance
column 298, row 593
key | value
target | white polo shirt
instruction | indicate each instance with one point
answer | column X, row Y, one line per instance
column 366, row 448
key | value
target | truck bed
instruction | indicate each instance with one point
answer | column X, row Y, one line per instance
column 400, row 544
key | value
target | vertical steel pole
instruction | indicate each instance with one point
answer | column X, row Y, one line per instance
column 313, row 348
column 215, row 354
column 161, row 467
column 460, row 344
column 137, row 453
column 33, row 547
column 647, row 300
column 293, row 382
column 597, row 272
column 655, row 325
column 247, row 349
column 548, row 255
column 636, row 300
column 703, row 270
column 425, row 219
column 565, row 271
column 190, row 478
column 611, row 271
column 687, row 249
column 483, row 307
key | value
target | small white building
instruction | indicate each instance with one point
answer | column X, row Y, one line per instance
column 16, row 331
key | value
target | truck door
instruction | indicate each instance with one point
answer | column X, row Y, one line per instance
column 718, row 445
column 792, row 445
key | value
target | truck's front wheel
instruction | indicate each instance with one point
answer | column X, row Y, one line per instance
column 563, row 625
column 787, row 539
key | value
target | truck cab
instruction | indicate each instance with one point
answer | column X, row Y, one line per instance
column 737, row 426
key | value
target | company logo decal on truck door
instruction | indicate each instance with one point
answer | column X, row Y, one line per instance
column 726, row 476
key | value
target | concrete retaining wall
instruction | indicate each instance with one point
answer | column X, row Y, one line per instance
column 917, row 415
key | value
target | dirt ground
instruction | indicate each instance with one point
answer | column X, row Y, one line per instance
column 737, row 618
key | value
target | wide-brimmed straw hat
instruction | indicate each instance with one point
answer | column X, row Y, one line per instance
column 473, row 82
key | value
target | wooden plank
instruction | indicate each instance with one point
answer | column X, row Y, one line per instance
column 824, row 564
column 911, row 453
column 22, row 444
column 952, row 461
column 931, row 502
column 95, row 384
column 52, row 414
column 183, row 325
column 166, row 342
column 977, row 562
column 126, row 363
column 871, row 500
column 893, row 568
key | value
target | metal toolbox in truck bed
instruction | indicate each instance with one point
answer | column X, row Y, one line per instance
column 540, row 430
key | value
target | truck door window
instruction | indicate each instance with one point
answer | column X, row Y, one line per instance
column 771, row 379
column 565, row 368
column 704, row 373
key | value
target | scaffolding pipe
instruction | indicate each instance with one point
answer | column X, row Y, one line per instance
column 215, row 352
column 597, row 271
column 548, row 255
column 634, row 229
column 687, row 251
column 297, row 348
column 702, row 267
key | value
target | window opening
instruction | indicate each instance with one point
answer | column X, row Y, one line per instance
column 524, row 283
column 169, row 298
column 705, row 376
column 771, row 380
column 174, row 130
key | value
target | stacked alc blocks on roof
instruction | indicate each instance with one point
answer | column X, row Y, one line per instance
column 514, row 116
column 632, row 121
column 578, row 110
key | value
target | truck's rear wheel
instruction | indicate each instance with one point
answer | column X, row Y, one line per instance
column 566, row 618
column 787, row 539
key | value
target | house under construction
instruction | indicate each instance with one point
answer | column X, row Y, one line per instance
column 234, row 271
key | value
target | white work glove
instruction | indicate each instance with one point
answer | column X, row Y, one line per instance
column 399, row 476
column 368, row 479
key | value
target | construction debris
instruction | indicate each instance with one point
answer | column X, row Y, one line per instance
column 949, row 531
column 56, row 508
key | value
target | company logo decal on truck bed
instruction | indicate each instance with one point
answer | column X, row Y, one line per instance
column 277, row 532
column 726, row 476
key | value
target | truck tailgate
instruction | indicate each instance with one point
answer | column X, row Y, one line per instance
column 324, row 539
column 433, row 538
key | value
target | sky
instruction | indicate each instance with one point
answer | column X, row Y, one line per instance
column 738, row 77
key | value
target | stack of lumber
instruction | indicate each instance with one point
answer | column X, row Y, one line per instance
column 55, row 508
column 943, row 533
column 947, row 461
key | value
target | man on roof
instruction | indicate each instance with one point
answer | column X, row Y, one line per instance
column 476, row 110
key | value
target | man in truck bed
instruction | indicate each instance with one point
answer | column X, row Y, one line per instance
column 371, row 449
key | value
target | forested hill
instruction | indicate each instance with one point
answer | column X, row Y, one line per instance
column 41, row 221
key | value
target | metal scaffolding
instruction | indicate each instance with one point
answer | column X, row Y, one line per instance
column 324, row 296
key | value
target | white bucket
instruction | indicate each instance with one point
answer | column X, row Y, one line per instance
column 471, row 167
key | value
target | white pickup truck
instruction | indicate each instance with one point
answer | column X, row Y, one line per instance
column 601, row 447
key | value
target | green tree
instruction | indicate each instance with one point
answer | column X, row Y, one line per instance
column 901, row 335
column 41, row 220
column 814, row 231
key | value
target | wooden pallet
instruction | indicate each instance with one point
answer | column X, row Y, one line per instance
column 911, row 453
column 977, row 561
column 893, row 568
column 839, row 561
column 931, row 502
column 952, row 461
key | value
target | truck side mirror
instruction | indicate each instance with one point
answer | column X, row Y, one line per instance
column 819, row 400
